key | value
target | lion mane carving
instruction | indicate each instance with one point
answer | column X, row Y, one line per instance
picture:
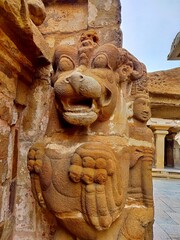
column 80, row 170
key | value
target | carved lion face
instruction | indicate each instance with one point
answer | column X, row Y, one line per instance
column 86, row 81
column 85, row 93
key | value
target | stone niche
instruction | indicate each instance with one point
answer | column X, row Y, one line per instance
column 92, row 168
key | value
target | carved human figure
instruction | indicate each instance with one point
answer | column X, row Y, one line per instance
column 80, row 169
column 140, row 177
column 142, row 156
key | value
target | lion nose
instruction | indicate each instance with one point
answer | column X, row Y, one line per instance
column 87, row 43
column 84, row 85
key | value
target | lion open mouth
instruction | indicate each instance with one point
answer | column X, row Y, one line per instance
column 80, row 111
column 79, row 104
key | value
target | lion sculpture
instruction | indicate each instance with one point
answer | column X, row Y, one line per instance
column 80, row 171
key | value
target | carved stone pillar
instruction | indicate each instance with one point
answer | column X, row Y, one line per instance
column 159, row 142
column 169, row 149
column 176, row 149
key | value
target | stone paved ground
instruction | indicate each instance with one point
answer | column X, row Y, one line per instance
column 167, row 209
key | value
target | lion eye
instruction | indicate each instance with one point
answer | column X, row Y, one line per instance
column 66, row 64
column 100, row 61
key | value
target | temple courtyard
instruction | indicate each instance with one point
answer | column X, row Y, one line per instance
column 167, row 208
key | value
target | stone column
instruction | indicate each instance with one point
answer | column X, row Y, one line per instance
column 176, row 155
column 159, row 143
column 169, row 152
column 176, row 150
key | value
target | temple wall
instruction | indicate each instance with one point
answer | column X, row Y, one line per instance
column 17, row 88
column 164, row 88
column 66, row 20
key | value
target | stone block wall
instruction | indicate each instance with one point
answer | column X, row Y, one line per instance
column 8, row 150
column 30, row 222
column 66, row 20
column 21, row 47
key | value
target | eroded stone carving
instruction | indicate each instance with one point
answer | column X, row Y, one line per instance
column 80, row 170
column 142, row 153
column 37, row 11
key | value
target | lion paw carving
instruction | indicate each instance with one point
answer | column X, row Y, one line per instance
column 35, row 157
column 94, row 165
column 91, row 165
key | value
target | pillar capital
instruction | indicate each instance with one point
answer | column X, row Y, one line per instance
column 160, row 128
column 161, row 132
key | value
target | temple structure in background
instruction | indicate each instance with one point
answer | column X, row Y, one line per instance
column 175, row 48
column 164, row 87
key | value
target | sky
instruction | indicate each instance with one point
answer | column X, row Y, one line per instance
column 149, row 28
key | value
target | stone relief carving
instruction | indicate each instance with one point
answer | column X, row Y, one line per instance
column 82, row 169
column 138, row 131
column 142, row 153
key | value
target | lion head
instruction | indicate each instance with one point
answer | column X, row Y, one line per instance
column 86, row 79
